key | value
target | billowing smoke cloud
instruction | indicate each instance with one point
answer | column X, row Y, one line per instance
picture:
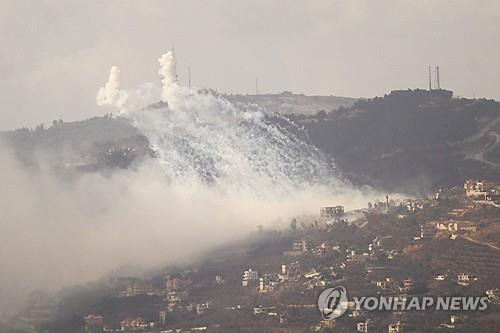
column 202, row 137
column 111, row 94
column 168, row 73
column 219, row 171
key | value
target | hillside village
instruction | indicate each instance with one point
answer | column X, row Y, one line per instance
column 447, row 243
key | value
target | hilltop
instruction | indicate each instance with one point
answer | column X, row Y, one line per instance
column 290, row 103
column 411, row 139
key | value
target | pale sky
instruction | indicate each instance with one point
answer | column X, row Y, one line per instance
column 56, row 54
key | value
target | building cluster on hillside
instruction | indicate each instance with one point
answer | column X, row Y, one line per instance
column 367, row 326
column 332, row 214
column 299, row 247
column 455, row 227
column 265, row 282
column 483, row 191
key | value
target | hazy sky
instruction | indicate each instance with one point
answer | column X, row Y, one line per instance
column 56, row 54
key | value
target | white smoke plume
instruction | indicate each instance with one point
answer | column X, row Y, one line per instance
column 200, row 138
column 168, row 73
column 111, row 94
column 125, row 100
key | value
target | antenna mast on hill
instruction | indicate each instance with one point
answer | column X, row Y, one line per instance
column 189, row 76
column 173, row 55
column 437, row 78
column 256, row 86
column 430, row 79
column 437, row 82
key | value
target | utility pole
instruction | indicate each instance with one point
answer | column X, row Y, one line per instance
column 189, row 76
column 430, row 79
column 437, row 78
column 256, row 86
column 173, row 55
